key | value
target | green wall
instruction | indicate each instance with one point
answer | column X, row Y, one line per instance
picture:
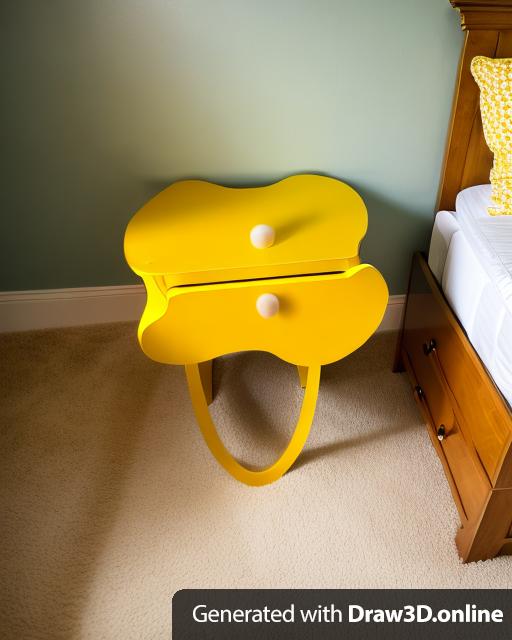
column 107, row 101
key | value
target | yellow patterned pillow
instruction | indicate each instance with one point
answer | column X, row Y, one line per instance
column 494, row 77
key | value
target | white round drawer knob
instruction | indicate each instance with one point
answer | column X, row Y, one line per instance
column 267, row 305
column 262, row 236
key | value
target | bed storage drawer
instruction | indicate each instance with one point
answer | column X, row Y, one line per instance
column 479, row 420
column 466, row 477
column 455, row 391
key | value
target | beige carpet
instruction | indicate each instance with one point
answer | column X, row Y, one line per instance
column 110, row 501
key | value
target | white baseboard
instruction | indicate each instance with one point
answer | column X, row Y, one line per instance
column 393, row 316
column 52, row 308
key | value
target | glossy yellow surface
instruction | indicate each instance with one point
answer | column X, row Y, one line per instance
column 192, row 246
column 322, row 318
column 273, row 472
column 199, row 232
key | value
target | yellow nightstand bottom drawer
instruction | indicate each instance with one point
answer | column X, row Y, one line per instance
column 305, row 320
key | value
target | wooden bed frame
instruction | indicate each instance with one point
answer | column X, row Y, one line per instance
column 488, row 32
column 468, row 420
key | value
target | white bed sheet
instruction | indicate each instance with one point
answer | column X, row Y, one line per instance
column 471, row 257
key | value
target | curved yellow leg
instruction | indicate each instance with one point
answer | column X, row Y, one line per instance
column 303, row 376
column 232, row 466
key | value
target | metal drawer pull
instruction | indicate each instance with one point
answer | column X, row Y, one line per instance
column 441, row 432
column 419, row 391
column 430, row 346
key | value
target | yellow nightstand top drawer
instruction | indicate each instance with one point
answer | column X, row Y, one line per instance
column 198, row 232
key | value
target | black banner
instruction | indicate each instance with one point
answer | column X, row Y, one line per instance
column 212, row 614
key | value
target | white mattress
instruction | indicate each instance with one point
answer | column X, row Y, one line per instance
column 471, row 257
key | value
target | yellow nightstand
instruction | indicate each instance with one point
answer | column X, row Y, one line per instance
column 272, row 268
